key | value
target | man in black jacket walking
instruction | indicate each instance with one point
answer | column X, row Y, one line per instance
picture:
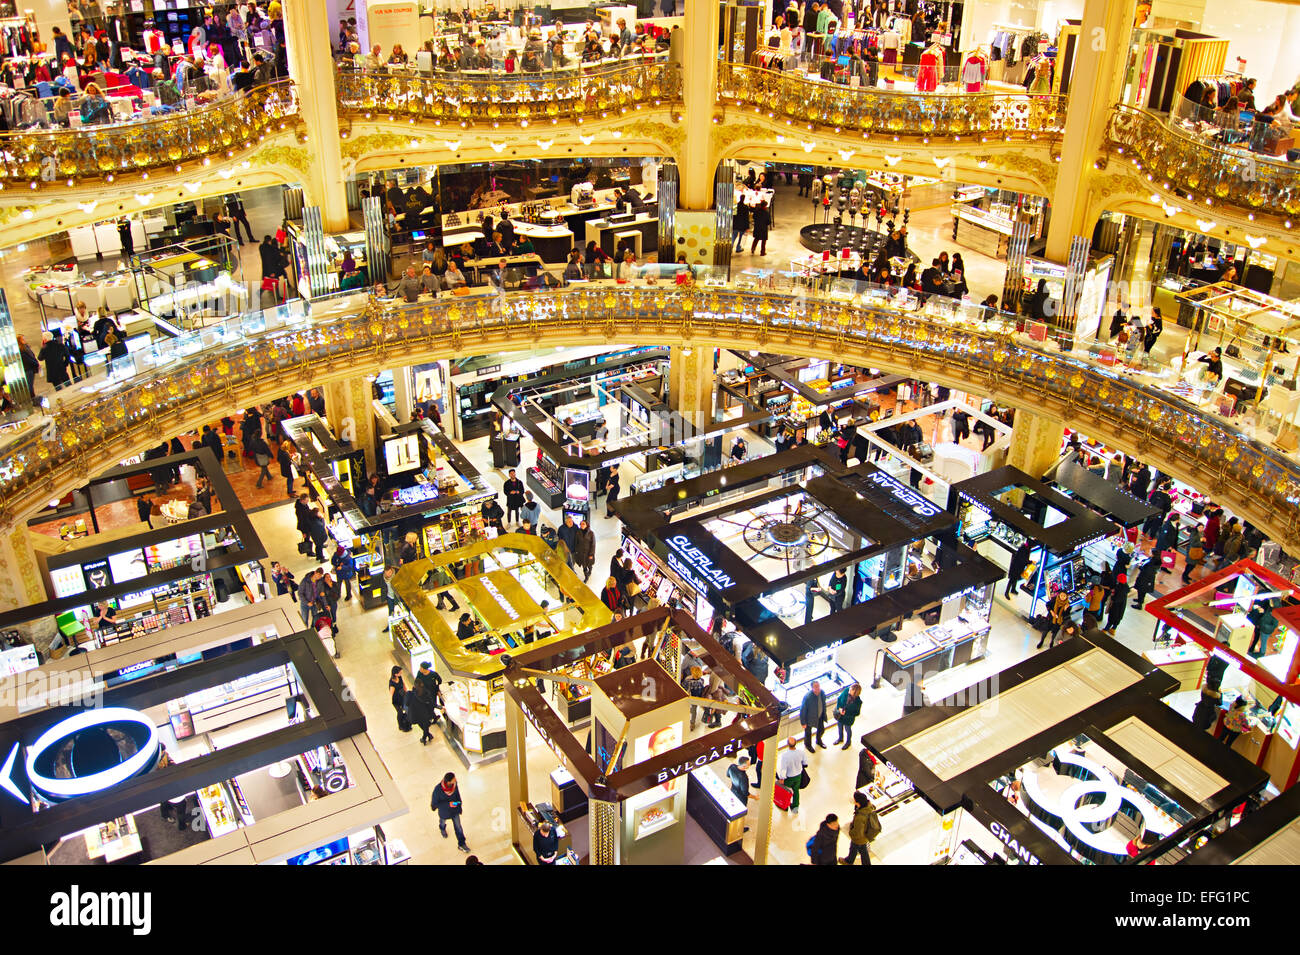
column 447, row 804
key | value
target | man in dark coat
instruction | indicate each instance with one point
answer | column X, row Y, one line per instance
column 812, row 715
column 514, row 489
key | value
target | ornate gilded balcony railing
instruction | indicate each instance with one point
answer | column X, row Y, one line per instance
column 890, row 113
column 96, row 152
column 1254, row 480
column 1205, row 170
column 468, row 99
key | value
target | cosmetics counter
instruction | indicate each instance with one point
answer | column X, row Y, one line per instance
column 960, row 637
column 518, row 592
column 713, row 805
column 474, row 381
column 1008, row 507
column 151, row 608
column 432, row 491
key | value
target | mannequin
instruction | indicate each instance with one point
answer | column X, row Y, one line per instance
column 974, row 70
column 1041, row 68
column 889, row 43
column 928, row 73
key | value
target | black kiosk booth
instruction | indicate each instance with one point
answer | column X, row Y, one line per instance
column 766, row 543
column 438, row 506
column 1112, row 501
column 1006, row 506
column 563, row 476
column 1069, row 757
column 172, row 573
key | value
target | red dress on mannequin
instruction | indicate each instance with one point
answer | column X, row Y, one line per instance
column 973, row 72
column 927, row 74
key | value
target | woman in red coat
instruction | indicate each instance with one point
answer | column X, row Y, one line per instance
column 1211, row 535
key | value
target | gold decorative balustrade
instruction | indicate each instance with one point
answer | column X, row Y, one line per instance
column 515, row 98
column 989, row 116
column 1201, row 168
column 1255, row 481
column 218, row 129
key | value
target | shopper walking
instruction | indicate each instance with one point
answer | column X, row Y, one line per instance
column 862, row 830
column 514, row 489
column 345, row 567
column 847, row 708
column 611, row 490
column 790, row 765
column 419, row 710
column 695, row 686
column 824, row 847
column 1019, row 564
column 567, row 533
column 740, row 221
column 397, row 696
column 285, row 460
column 261, row 457
column 1118, row 602
column 812, row 715
column 1145, row 582
column 584, row 549
column 447, row 804
column 762, row 220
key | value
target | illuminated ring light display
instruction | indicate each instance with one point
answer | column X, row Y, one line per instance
column 1076, row 816
column 92, row 751
column 334, row 780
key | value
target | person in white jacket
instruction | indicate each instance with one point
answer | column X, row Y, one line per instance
column 627, row 269
column 790, row 764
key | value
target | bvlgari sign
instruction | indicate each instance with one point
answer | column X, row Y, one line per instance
column 714, row 753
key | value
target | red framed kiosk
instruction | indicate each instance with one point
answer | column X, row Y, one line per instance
column 1210, row 617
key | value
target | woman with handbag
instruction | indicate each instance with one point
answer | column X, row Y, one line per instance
column 261, row 457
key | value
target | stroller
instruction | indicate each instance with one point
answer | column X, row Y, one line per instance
column 324, row 627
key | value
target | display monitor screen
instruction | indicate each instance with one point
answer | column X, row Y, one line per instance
column 97, row 574
column 402, row 454
column 127, row 565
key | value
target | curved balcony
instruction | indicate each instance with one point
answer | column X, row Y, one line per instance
column 926, row 116
column 1202, row 169
column 468, row 99
column 957, row 349
column 103, row 152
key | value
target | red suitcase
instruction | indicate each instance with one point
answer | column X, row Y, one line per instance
column 781, row 797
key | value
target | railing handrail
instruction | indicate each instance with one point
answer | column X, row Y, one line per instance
column 823, row 86
column 1266, row 482
column 190, row 114
column 1224, row 155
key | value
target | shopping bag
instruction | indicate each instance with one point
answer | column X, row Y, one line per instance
column 781, row 797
